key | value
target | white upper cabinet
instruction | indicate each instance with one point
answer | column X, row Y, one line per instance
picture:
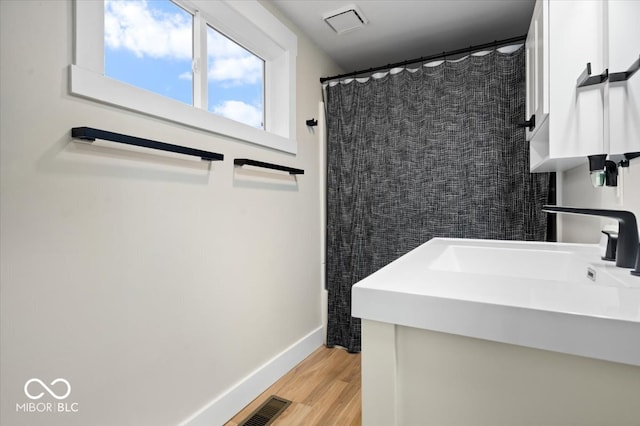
column 571, row 46
column 537, row 65
column 623, row 47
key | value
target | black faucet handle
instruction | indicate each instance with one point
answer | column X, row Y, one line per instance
column 612, row 245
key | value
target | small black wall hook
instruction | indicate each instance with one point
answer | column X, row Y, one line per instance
column 530, row 123
column 312, row 123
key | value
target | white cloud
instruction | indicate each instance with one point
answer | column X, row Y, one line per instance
column 236, row 71
column 240, row 111
column 147, row 31
column 133, row 26
column 231, row 63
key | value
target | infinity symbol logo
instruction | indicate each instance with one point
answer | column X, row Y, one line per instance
column 52, row 393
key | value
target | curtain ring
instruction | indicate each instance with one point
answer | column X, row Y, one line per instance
column 367, row 74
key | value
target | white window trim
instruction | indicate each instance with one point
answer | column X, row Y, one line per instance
column 246, row 22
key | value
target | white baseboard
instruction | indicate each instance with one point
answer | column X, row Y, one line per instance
column 227, row 405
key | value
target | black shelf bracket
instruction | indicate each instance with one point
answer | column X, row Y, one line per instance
column 623, row 76
column 90, row 134
column 586, row 79
column 248, row 162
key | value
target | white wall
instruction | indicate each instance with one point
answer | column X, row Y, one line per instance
column 577, row 191
column 152, row 284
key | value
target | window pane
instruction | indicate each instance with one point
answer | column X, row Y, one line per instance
column 149, row 44
column 235, row 79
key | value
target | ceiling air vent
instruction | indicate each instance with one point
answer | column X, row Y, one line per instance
column 345, row 19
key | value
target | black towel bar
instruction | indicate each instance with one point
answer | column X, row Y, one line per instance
column 90, row 134
column 248, row 162
column 586, row 79
column 622, row 76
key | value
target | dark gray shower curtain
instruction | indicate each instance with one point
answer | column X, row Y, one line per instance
column 417, row 155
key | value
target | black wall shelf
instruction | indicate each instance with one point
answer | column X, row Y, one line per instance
column 91, row 134
column 248, row 162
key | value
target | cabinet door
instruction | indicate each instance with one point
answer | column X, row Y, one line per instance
column 624, row 96
column 576, row 124
column 537, row 68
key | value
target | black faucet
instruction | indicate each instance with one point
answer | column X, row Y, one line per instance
column 627, row 233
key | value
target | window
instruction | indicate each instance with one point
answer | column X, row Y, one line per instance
column 227, row 67
column 234, row 80
column 150, row 45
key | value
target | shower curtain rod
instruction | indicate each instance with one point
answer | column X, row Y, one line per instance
column 469, row 49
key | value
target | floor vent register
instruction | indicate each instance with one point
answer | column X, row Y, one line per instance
column 267, row 412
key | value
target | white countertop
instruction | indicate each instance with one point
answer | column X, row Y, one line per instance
column 524, row 293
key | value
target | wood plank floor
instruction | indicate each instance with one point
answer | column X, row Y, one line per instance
column 324, row 389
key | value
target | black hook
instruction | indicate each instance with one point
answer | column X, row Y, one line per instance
column 313, row 122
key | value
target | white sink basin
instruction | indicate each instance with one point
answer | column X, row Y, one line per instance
column 552, row 296
column 518, row 262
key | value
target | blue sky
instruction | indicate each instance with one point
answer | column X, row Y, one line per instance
column 148, row 43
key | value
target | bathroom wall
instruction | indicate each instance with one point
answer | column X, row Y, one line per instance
column 576, row 190
column 152, row 284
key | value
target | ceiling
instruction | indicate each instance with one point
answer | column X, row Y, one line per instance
column 399, row 30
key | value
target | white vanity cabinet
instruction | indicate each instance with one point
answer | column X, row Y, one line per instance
column 462, row 332
column 573, row 122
